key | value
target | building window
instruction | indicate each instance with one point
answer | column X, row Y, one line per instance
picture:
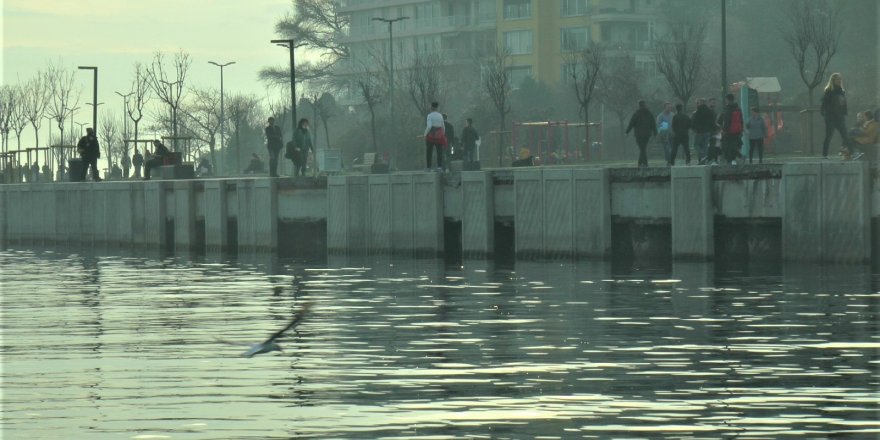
column 516, row 9
column 518, row 42
column 573, row 7
column 575, row 38
column 516, row 75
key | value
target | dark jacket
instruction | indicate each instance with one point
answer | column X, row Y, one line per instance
column 642, row 121
column 273, row 137
column 298, row 149
column 88, row 147
column 469, row 137
column 138, row 159
column 726, row 119
column 160, row 151
column 681, row 125
column 450, row 133
column 834, row 103
column 703, row 120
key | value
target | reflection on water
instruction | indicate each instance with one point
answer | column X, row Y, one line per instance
column 124, row 347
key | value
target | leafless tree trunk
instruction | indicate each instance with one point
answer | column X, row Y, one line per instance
column 169, row 86
column 35, row 100
column 583, row 69
column 496, row 83
column 204, row 113
column 242, row 111
column 18, row 116
column 109, row 132
column 621, row 86
column 140, row 86
column 679, row 57
column 373, row 87
column 326, row 109
column 8, row 103
column 423, row 81
column 62, row 97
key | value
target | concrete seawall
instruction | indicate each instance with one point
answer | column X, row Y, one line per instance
column 817, row 212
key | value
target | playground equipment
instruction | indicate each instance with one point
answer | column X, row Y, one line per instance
column 559, row 142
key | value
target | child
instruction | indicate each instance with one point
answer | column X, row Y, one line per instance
column 757, row 133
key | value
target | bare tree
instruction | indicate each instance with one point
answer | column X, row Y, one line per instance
column 812, row 37
column 621, row 87
column 109, row 132
column 63, row 97
column 140, row 87
column 583, row 69
column 35, row 99
column 242, row 111
column 315, row 25
column 496, row 83
column 8, row 103
column 326, row 108
column 18, row 120
column 679, row 57
column 168, row 83
column 423, row 80
column 372, row 88
column 203, row 113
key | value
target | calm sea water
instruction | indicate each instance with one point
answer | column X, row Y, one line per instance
column 121, row 347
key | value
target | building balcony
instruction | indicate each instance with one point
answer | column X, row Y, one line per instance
column 606, row 15
column 347, row 6
column 414, row 27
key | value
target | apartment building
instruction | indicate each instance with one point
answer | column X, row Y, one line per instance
column 537, row 33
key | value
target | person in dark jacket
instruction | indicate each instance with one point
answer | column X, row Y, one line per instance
column 160, row 152
column 681, row 128
column 273, row 144
column 469, row 137
column 450, row 137
column 834, row 111
column 703, row 125
column 732, row 126
column 138, row 161
column 298, row 149
column 642, row 122
column 90, row 152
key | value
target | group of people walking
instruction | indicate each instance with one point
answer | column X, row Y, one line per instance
column 297, row 150
column 717, row 137
column 440, row 139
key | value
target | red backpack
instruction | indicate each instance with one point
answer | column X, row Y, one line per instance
column 735, row 125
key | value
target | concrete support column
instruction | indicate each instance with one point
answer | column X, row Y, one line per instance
column 216, row 217
column 379, row 219
column 592, row 213
column 138, row 219
column 119, row 212
column 247, row 215
column 802, row 212
column 428, row 215
column 265, row 196
column 184, row 215
column 155, row 213
column 402, row 214
column 477, row 214
column 528, row 217
column 337, row 218
column 693, row 214
column 846, row 212
column 559, row 209
column 4, row 213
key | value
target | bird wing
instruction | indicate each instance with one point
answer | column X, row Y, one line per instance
column 293, row 323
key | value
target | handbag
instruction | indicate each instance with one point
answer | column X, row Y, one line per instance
column 437, row 136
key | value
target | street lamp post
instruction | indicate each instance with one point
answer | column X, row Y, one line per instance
column 723, row 49
column 289, row 44
column 94, row 93
column 222, row 108
column 124, row 111
column 391, row 22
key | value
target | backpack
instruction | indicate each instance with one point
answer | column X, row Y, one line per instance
column 735, row 125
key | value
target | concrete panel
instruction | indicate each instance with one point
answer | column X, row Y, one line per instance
column 559, row 223
column 154, row 213
column 402, row 215
column 693, row 215
column 592, row 213
column 846, row 212
column 184, row 215
column 4, row 213
column 246, row 220
column 216, row 220
column 118, row 215
column 356, row 200
column 477, row 214
column 529, row 211
column 66, row 227
column 138, row 220
column 647, row 199
column 91, row 218
column 802, row 212
column 266, row 214
column 428, row 214
column 379, row 221
column 337, row 218
column 748, row 198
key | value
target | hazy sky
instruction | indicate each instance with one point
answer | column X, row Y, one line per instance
column 113, row 34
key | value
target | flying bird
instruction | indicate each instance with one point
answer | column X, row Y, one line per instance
column 269, row 345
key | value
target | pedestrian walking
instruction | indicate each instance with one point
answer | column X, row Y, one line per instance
column 298, row 148
column 469, row 137
column 90, row 152
column 664, row 129
column 642, row 123
column 757, row 133
column 273, row 144
column 681, row 128
column 731, row 129
column 703, row 125
column 435, row 136
column 834, row 112
column 138, row 161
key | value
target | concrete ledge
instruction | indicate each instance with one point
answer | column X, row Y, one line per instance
column 693, row 214
column 592, row 213
column 216, row 217
column 477, row 215
column 528, row 217
column 379, row 220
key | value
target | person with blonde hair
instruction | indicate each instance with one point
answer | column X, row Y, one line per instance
column 834, row 112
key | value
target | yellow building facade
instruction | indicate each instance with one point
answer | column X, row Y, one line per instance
column 539, row 34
